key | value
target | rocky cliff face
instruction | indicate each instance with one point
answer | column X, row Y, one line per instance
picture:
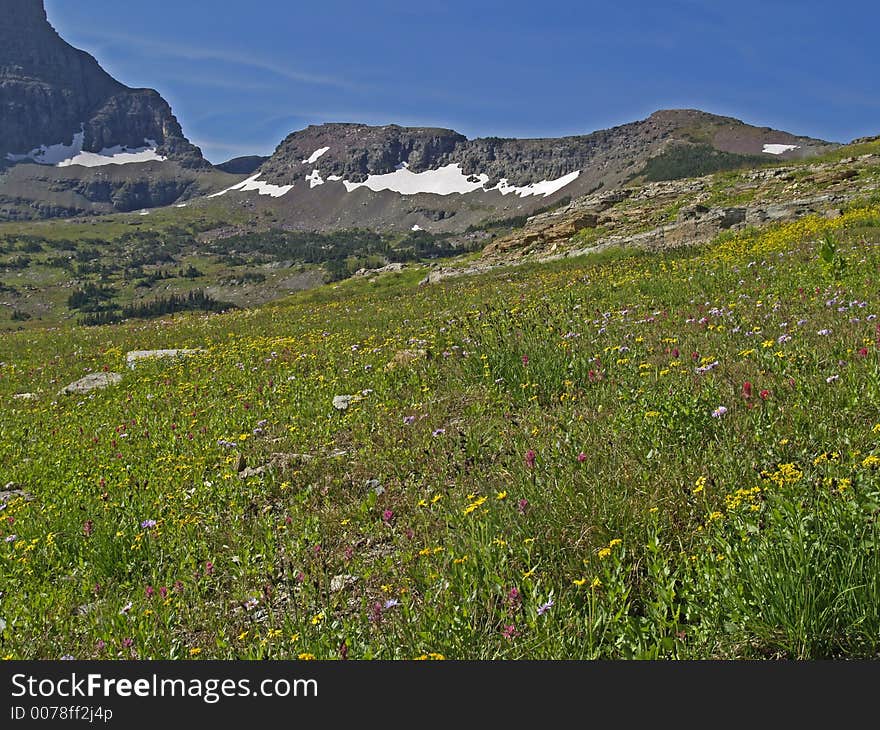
column 50, row 91
column 56, row 97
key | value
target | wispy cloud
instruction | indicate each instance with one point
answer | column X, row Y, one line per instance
column 195, row 53
column 218, row 82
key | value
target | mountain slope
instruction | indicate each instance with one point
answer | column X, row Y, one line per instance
column 246, row 165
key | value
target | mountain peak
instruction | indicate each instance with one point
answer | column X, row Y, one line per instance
column 51, row 92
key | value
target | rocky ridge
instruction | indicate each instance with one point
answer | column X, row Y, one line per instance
column 353, row 152
column 336, row 176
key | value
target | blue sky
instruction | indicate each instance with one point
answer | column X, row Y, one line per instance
column 242, row 75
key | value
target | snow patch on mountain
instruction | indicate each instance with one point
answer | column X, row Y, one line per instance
column 314, row 179
column 117, row 155
column 253, row 183
column 316, row 155
column 545, row 187
column 778, row 149
column 62, row 155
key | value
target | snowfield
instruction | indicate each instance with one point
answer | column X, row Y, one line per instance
column 450, row 179
column 447, row 180
column 443, row 181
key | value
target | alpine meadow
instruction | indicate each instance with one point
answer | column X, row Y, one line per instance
column 396, row 393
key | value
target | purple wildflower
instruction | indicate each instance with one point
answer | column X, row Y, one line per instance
column 544, row 607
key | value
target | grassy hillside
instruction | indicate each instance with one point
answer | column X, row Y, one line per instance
column 631, row 455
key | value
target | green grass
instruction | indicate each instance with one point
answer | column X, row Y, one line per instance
column 693, row 160
column 532, row 468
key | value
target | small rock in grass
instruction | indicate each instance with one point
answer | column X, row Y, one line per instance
column 132, row 357
column 403, row 358
column 252, row 472
column 11, row 491
column 93, row 381
column 342, row 402
column 341, row 582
